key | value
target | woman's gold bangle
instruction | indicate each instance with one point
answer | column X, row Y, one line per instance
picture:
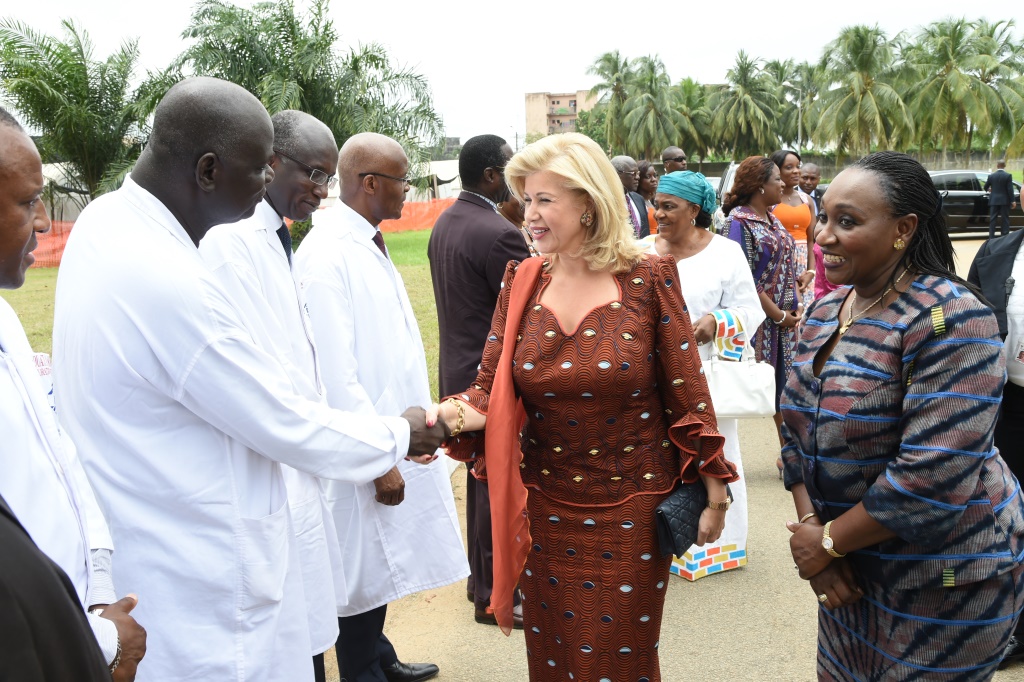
column 807, row 516
column 460, row 422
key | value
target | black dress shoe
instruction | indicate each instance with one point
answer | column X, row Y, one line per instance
column 1013, row 653
column 410, row 672
column 487, row 617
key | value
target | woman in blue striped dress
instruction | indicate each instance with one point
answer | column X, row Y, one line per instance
column 911, row 528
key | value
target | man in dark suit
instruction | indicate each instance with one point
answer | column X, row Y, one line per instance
column 636, row 207
column 43, row 630
column 1000, row 199
column 469, row 248
column 998, row 270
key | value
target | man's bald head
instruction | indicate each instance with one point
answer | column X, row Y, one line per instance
column 208, row 155
column 372, row 169
column 200, row 115
column 22, row 213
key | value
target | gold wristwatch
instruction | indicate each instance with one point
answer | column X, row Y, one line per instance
column 724, row 504
column 827, row 543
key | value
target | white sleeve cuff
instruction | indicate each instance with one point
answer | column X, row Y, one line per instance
column 101, row 589
column 106, row 636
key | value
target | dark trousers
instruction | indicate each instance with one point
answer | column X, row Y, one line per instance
column 363, row 650
column 1000, row 214
column 478, row 533
column 319, row 671
column 1010, row 441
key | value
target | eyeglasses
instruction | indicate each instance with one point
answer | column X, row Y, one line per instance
column 677, row 159
column 316, row 176
column 635, row 174
column 404, row 181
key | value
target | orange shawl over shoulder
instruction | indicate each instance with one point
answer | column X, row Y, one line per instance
column 510, row 527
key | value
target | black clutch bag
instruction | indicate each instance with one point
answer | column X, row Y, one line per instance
column 677, row 518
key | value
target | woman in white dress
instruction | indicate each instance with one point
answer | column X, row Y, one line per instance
column 719, row 292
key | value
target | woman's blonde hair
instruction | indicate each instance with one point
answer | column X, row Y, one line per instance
column 610, row 242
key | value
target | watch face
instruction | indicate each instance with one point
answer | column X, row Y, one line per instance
column 826, row 543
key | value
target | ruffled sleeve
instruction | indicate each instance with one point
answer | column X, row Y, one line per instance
column 684, row 391
column 469, row 447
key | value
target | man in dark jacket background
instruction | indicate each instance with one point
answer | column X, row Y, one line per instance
column 1000, row 199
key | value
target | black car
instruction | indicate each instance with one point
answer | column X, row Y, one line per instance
column 965, row 203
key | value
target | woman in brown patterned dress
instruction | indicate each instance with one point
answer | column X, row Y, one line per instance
column 592, row 355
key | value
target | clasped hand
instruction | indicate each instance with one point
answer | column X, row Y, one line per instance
column 827, row 575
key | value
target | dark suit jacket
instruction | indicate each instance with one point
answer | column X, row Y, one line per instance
column 990, row 270
column 468, row 250
column 44, row 635
column 641, row 208
column 1000, row 184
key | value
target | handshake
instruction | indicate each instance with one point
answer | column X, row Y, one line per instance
column 426, row 433
column 424, row 440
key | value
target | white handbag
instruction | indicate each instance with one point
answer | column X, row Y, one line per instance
column 740, row 389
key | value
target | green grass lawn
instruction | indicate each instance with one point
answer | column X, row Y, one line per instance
column 34, row 301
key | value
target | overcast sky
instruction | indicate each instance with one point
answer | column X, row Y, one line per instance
column 481, row 58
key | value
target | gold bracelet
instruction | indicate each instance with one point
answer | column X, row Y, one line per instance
column 807, row 516
column 460, row 423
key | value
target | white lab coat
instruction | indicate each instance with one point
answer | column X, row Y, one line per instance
column 372, row 360
column 247, row 258
column 181, row 421
column 42, row 478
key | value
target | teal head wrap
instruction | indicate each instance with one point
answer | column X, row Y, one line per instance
column 691, row 186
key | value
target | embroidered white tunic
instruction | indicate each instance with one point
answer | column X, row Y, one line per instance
column 247, row 258
column 372, row 360
column 181, row 421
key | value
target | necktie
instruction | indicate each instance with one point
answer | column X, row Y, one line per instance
column 378, row 239
column 286, row 241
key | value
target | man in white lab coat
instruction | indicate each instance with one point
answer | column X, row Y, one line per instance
column 181, row 419
column 373, row 362
column 41, row 477
column 252, row 260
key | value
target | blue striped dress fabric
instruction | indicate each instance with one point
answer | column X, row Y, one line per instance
column 901, row 419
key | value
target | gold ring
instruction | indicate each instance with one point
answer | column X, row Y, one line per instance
column 823, row 597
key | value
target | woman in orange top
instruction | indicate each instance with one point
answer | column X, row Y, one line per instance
column 796, row 213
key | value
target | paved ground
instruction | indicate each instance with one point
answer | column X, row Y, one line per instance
column 755, row 623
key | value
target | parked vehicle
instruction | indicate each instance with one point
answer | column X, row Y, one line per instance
column 965, row 202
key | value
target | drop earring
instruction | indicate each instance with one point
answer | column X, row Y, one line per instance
column 762, row 190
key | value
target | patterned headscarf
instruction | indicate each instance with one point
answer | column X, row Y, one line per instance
column 691, row 186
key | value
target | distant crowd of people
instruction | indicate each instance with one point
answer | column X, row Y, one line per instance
column 251, row 427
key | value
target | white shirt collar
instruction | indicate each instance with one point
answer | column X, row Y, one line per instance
column 155, row 209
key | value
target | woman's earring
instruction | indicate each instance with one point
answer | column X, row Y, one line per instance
column 762, row 190
column 899, row 244
column 693, row 221
column 587, row 219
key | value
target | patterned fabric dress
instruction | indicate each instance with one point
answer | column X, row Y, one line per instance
column 798, row 221
column 615, row 408
column 901, row 419
column 770, row 250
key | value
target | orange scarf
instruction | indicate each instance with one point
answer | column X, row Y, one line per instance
column 510, row 527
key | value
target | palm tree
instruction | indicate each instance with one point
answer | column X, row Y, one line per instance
column 950, row 101
column 292, row 62
column 651, row 119
column 744, row 109
column 616, row 85
column 999, row 63
column 782, row 74
column 690, row 99
column 88, row 115
column 861, row 107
